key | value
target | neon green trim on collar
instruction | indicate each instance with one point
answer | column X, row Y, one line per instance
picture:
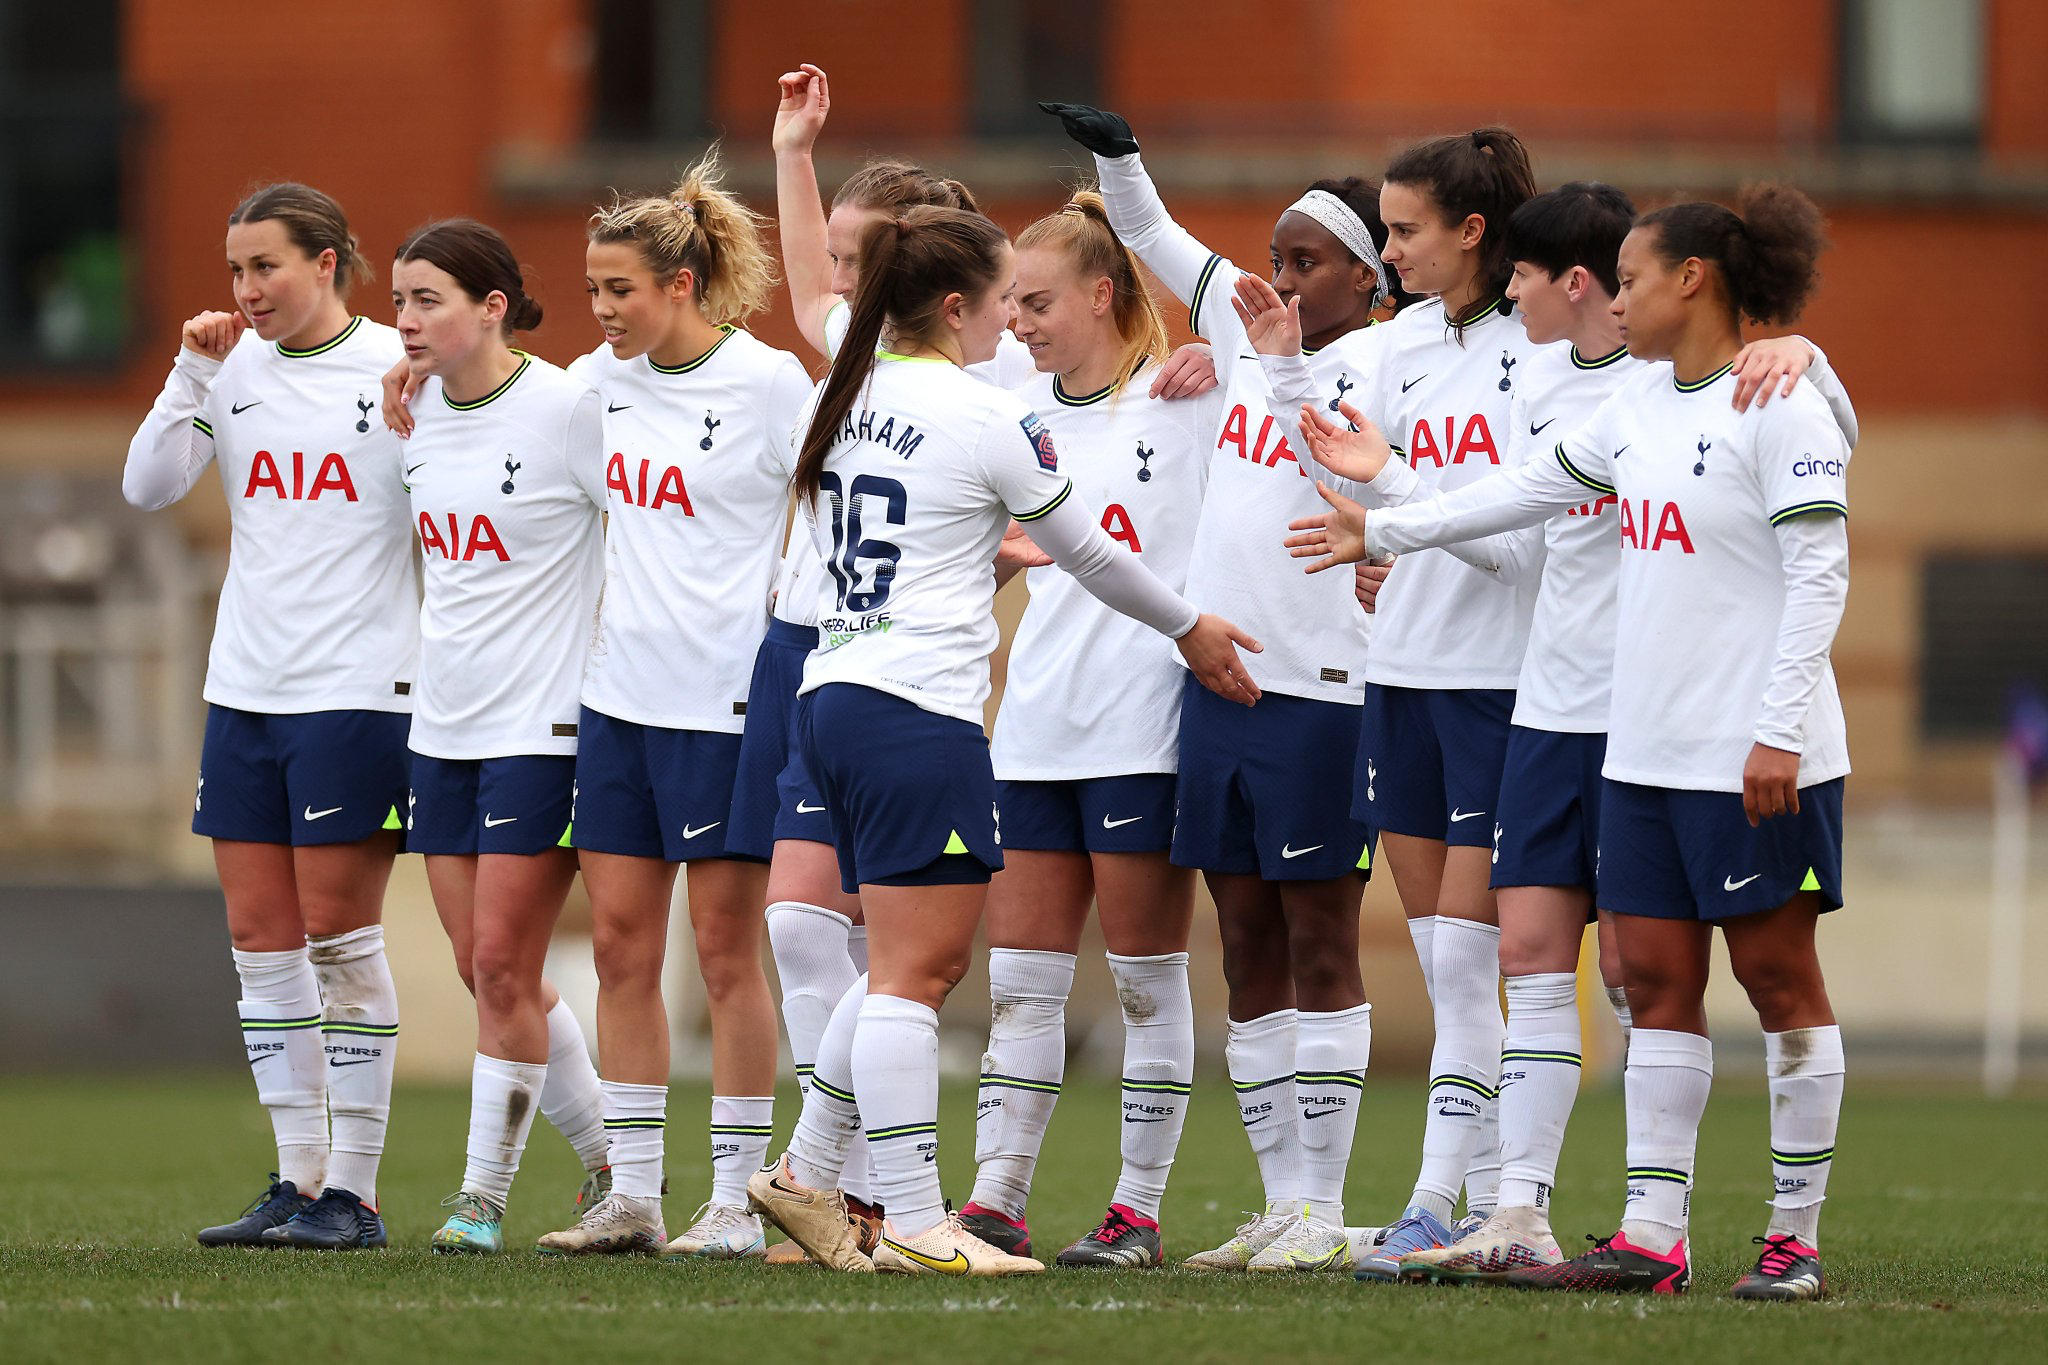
column 1699, row 384
column 914, row 359
column 475, row 403
column 1579, row 362
column 689, row 365
column 324, row 346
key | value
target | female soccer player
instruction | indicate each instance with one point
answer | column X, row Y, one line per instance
column 1287, row 872
column 505, row 465
column 1727, row 750
column 697, row 422
column 909, row 471
column 1085, row 750
column 307, row 687
column 1448, row 639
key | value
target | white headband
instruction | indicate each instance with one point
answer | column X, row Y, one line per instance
column 1347, row 227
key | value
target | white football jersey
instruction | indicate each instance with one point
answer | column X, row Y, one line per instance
column 930, row 466
column 1011, row 367
column 1442, row 403
column 507, row 494
column 697, row 465
column 1568, row 670
column 1091, row 692
column 320, row 608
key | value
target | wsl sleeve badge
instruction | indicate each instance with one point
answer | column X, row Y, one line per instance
column 1041, row 443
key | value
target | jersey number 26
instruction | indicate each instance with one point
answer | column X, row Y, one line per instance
column 848, row 547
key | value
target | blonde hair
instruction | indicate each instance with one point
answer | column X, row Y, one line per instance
column 704, row 229
column 1081, row 229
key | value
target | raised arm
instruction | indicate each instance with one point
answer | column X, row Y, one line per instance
column 174, row 444
column 799, row 212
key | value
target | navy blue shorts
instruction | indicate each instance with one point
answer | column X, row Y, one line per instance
column 1265, row 791
column 523, row 804
column 1131, row 813
column 1547, row 830
column 1429, row 762
column 1691, row 855
column 773, row 796
column 319, row 777
column 645, row 791
column 911, row 795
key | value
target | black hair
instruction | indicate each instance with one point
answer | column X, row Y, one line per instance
column 1484, row 172
column 1768, row 248
column 1581, row 223
column 1362, row 197
column 481, row 261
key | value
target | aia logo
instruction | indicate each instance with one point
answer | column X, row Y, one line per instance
column 330, row 477
column 1591, row 509
column 668, row 489
column 1666, row 532
column 1268, row 449
column 480, row 538
column 1474, row 439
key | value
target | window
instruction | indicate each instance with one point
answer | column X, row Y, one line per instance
column 1912, row 72
column 1984, row 627
column 1030, row 50
column 655, row 82
column 63, row 270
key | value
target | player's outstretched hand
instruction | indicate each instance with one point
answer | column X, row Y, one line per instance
column 213, row 335
column 800, row 117
column 1211, row 651
column 1356, row 452
column 1773, row 364
column 1330, row 538
column 1770, row 784
column 400, row 384
column 1272, row 327
column 1188, row 373
column 1100, row 131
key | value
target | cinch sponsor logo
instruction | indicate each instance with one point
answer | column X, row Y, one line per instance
column 481, row 539
column 668, row 489
column 1476, row 439
column 1637, row 533
column 1265, row 450
column 1810, row 466
column 330, row 477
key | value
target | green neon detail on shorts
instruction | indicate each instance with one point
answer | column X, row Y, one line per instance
column 1365, row 858
column 954, row 843
column 391, row 821
column 1812, row 882
column 567, row 830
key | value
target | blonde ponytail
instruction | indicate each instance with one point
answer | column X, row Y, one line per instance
column 1082, row 231
column 700, row 227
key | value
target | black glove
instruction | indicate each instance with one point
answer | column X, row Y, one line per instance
column 1100, row 131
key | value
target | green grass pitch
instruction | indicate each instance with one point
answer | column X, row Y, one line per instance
column 1933, row 1241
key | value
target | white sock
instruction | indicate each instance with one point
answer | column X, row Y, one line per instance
column 1539, row 1080
column 1669, row 1075
column 280, row 1009
column 741, row 1126
column 1464, row 1066
column 574, row 1098
column 896, row 1075
column 1422, row 932
column 359, row 1023
column 1806, row 1070
column 857, row 947
column 1020, row 1072
column 1260, row 1058
column 635, row 1126
column 829, row 1123
column 1330, row 1053
column 813, row 958
column 502, row 1097
column 1159, row 1072
column 1617, row 1000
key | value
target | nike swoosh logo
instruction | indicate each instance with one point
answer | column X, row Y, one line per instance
column 1287, row 852
column 1320, row 1113
column 1617, row 454
column 1535, row 430
column 805, row 808
column 415, row 469
column 1455, row 1113
column 1730, row 884
column 489, row 823
column 955, row 1266
column 618, row 407
column 1108, row 823
column 692, row 831
column 360, row 1061
column 1413, row 382
column 1458, row 816
column 239, row 409
column 312, row 814
column 1259, row 1120
column 1132, row 1120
